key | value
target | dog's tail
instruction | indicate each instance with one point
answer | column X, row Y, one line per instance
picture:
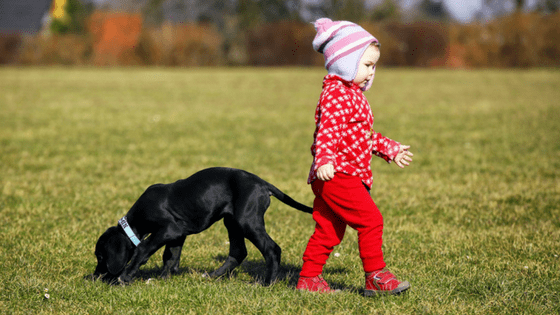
column 287, row 199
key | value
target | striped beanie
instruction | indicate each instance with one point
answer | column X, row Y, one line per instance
column 342, row 43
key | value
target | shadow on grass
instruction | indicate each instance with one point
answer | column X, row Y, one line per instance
column 288, row 273
column 256, row 269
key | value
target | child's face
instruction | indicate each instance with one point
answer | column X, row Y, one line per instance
column 366, row 65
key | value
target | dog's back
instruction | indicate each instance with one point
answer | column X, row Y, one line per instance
column 204, row 198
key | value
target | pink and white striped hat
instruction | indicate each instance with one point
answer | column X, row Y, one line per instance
column 342, row 43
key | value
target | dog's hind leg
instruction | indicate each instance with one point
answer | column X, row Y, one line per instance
column 271, row 252
column 172, row 256
column 237, row 248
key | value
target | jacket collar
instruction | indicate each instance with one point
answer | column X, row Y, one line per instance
column 329, row 78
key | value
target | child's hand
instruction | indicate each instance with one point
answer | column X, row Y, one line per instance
column 325, row 172
column 403, row 157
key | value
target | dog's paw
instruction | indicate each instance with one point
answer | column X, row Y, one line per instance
column 93, row 277
column 212, row 276
column 123, row 280
column 216, row 274
column 165, row 275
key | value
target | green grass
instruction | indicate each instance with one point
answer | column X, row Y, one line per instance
column 473, row 223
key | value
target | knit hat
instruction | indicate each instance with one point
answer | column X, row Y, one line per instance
column 342, row 43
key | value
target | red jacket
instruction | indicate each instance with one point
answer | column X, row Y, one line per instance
column 344, row 134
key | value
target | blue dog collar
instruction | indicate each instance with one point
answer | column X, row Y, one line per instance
column 124, row 224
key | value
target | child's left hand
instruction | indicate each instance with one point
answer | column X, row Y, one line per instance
column 403, row 157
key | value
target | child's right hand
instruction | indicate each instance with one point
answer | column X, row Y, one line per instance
column 325, row 172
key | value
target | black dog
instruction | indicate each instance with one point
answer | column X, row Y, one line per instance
column 166, row 213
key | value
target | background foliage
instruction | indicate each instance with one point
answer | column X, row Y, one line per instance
column 274, row 32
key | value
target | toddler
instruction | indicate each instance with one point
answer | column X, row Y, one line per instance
column 344, row 141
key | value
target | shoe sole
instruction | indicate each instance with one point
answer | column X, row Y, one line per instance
column 398, row 290
column 330, row 291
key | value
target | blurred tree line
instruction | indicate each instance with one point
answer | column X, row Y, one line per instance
column 505, row 33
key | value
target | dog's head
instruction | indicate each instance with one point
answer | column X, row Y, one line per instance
column 113, row 251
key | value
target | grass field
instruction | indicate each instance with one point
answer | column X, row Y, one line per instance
column 473, row 223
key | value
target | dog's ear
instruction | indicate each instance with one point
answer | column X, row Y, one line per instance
column 101, row 252
column 112, row 251
column 117, row 254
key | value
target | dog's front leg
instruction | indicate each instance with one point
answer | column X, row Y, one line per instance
column 145, row 249
column 172, row 257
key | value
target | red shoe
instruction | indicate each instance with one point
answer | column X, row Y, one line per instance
column 383, row 282
column 314, row 284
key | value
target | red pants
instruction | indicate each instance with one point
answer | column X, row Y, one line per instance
column 342, row 201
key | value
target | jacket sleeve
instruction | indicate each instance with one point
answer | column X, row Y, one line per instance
column 332, row 119
column 384, row 147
